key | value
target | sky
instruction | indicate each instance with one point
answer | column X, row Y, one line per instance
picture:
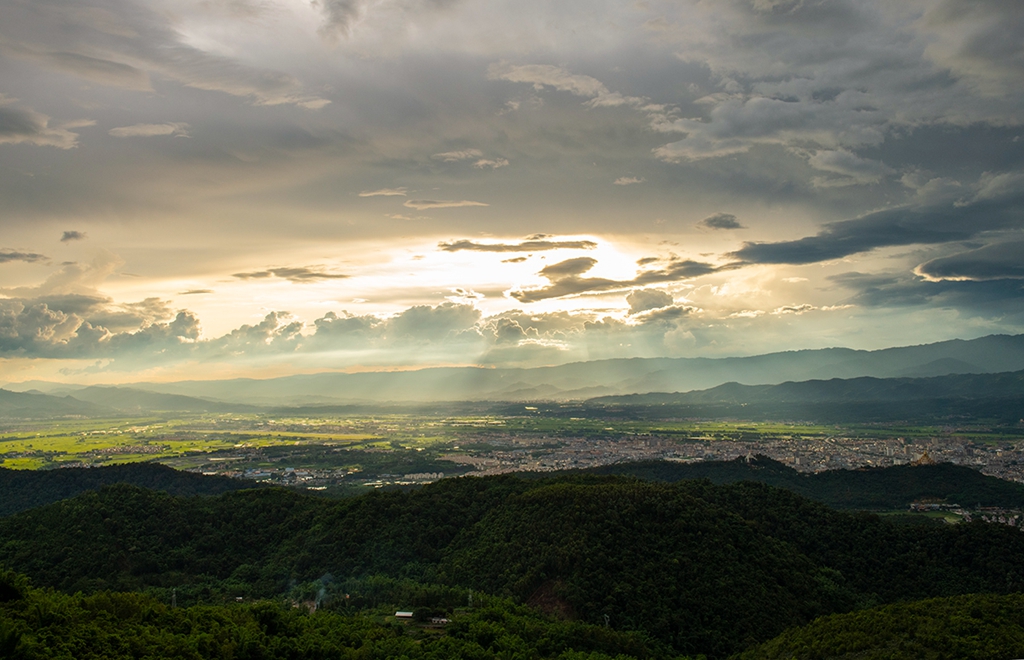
column 198, row 189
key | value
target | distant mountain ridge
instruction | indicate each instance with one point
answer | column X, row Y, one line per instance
column 584, row 380
column 865, row 388
column 37, row 404
column 128, row 399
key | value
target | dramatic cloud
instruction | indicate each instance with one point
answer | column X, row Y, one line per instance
column 424, row 322
column 829, row 132
column 992, row 262
column 566, row 281
column 151, row 130
column 720, row 221
column 297, row 274
column 423, row 204
column 642, row 300
column 973, row 298
column 997, row 204
column 76, row 326
column 532, row 244
column 14, row 255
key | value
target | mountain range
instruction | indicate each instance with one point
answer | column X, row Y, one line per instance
column 575, row 381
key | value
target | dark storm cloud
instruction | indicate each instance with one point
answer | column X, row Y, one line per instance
column 72, row 236
column 529, row 245
column 7, row 256
column 998, row 205
column 297, row 274
column 992, row 262
column 566, row 281
column 1003, row 297
column 720, row 221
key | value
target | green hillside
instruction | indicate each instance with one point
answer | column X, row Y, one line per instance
column 703, row 568
column 45, row 625
column 979, row 627
column 25, row 489
column 887, row 488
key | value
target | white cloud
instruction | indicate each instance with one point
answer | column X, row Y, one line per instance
column 794, row 309
column 492, row 163
column 642, row 300
column 384, row 192
column 541, row 75
column 455, row 156
column 423, row 204
column 177, row 129
column 628, row 180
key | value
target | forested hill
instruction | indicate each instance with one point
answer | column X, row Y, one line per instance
column 24, row 489
column 876, row 489
column 704, row 568
column 979, row 627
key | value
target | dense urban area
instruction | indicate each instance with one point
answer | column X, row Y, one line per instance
column 404, row 449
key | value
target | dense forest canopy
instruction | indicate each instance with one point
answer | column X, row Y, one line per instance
column 698, row 568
